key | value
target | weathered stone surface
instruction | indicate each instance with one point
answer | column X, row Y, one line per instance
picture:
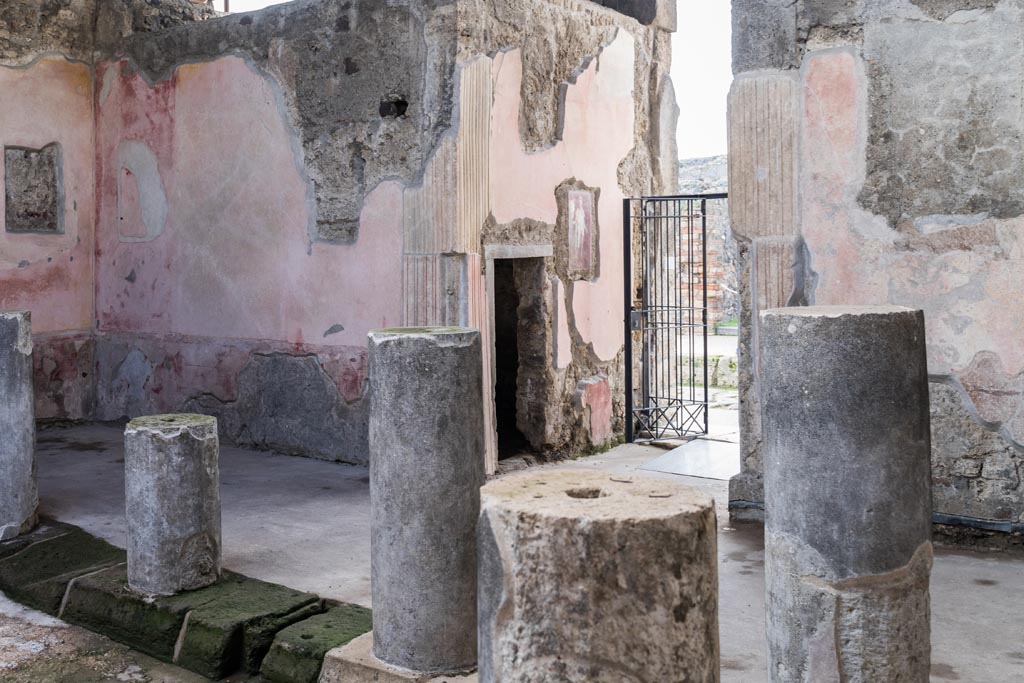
column 355, row 663
column 426, row 469
column 262, row 393
column 590, row 576
column 19, row 497
column 235, row 628
column 115, row 20
column 659, row 13
column 45, row 530
column 844, row 400
column 936, row 147
column 395, row 63
column 665, row 124
column 37, row 573
column 764, row 35
column 746, row 489
column 594, row 399
column 763, row 155
column 172, row 496
column 103, row 602
column 976, row 470
column 33, row 190
column 213, row 631
column 29, row 28
column 297, row 654
column 277, row 392
column 63, row 367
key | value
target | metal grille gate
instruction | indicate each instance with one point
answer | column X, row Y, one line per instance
column 666, row 316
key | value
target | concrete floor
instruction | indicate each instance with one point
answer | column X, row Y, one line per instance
column 305, row 523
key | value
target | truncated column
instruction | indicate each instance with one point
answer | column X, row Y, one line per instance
column 594, row 577
column 19, row 497
column 172, row 491
column 426, row 469
column 847, row 494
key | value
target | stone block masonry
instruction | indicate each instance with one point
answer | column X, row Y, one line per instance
column 847, row 500
column 426, row 470
column 19, row 496
column 172, row 494
column 592, row 576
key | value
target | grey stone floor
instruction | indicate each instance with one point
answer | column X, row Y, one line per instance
column 305, row 523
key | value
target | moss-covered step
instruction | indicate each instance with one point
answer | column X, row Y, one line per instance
column 236, row 628
column 35, row 569
column 227, row 626
column 298, row 651
column 102, row 602
column 46, row 530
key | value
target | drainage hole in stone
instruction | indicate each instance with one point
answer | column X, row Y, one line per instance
column 585, row 493
column 393, row 107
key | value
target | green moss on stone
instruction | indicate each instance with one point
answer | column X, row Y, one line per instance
column 38, row 574
column 47, row 529
column 172, row 421
column 236, row 626
column 104, row 603
column 230, row 625
column 298, row 651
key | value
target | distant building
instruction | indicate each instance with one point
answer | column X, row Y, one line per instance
column 711, row 175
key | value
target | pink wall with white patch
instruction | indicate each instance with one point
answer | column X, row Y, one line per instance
column 231, row 257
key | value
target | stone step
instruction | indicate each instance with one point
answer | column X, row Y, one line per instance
column 238, row 623
column 298, row 651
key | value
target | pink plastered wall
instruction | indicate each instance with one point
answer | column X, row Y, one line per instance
column 50, row 101
column 233, row 258
column 598, row 134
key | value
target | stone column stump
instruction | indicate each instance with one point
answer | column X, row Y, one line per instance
column 847, row 494
column 172, row 497
column 19, row 498
column 594, row 577
column 426, row 470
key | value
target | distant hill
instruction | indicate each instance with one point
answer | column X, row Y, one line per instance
column 707, row 174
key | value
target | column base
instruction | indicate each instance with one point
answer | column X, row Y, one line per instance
column 354, row 663
column 746, row 497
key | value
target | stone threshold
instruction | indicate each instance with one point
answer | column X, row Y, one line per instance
column 355, row 663
column 237, row 624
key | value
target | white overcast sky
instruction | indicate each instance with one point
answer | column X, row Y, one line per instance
column 701, row 71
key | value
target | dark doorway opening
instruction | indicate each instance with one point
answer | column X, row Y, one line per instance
column 511, row 441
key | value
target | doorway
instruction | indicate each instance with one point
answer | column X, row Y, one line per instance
column 511, row 441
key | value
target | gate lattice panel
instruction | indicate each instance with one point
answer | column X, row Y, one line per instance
column 666, row 316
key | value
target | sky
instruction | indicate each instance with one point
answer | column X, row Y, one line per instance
column 701, row 74
column 701, row 71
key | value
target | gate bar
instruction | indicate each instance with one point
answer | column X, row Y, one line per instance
column 627, row 268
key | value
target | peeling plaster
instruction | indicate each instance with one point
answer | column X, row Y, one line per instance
column 141, row 172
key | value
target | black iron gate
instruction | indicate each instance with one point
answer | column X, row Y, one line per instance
column 666, row 316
